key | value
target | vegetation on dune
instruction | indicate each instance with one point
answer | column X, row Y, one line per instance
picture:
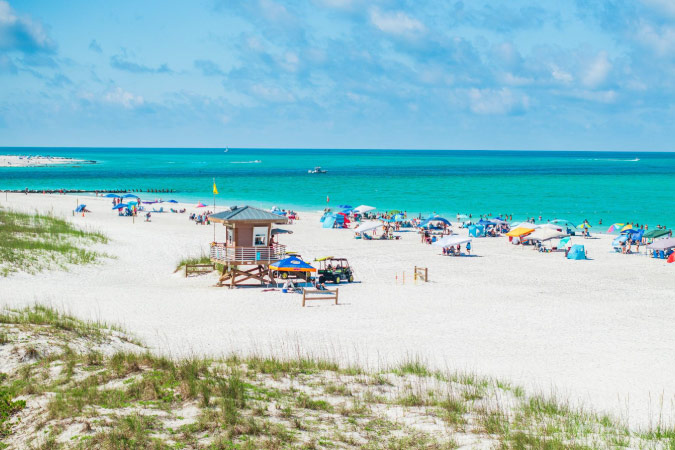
column 59, row 397
column 34, row 242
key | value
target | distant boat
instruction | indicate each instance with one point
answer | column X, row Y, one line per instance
column 227, row 149
column 317, row 169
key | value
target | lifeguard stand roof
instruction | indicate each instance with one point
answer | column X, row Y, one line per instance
column 247, row 214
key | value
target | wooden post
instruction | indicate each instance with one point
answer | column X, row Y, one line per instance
column 426, row 274
column 337, row 291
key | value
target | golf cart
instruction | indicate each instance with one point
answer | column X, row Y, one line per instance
column 334, row 270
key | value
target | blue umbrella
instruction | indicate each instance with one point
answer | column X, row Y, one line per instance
column 112, row 196
column 120, row 206
column 345, row 206
column 132, row 203
column 130, row 196
column 172, row 201
column 80, row 208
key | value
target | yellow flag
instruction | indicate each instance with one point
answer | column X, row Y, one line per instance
column 215, row 189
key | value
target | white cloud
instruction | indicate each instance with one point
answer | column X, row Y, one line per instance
column 121, row 97
column 666, row 7
column 560, row 75
column 661, row 40
column 497, row 101
column 21, row 33
column 597, row 71
column 395, row 22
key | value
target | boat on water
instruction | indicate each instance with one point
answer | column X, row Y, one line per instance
column 317, row 169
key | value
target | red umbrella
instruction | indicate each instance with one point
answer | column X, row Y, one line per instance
column 671, row 258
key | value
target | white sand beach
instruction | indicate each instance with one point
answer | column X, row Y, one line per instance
column 598, row 332
column 35, row 161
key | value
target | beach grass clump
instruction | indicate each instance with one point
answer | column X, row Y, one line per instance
column 35, row 242
column 86, row 388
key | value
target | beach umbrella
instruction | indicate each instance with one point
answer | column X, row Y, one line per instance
column 201, row 205
column 130, row 196
column 120, row 206
column 671, row 258
column 564, row 242
column 614, row 227
column 618, row 240
column 292, row 264
column 345, row 206
column 583, row 225
column 520, row 231
column 662, row 244
column 172, row 201
column 112, row 196
column 276, row 231
column 627, row 227
column 545, row 234
column 363, row 209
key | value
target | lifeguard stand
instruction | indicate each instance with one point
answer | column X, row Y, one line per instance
column 248, row 249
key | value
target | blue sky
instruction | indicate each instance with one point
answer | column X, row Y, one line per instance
column 570, row 74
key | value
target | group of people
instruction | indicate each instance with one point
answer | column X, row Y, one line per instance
column 456, row 250
column 201, row 219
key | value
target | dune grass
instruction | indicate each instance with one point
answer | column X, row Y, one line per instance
column 138, row 399
column 34, row 242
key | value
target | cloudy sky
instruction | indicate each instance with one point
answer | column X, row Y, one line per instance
column 567, row 74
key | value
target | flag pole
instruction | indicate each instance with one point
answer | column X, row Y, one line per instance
column 214, row 208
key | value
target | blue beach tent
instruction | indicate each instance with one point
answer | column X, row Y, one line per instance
column 329, row 222
column 577, row 252
column 434, row 219
column 476, row 230
column 80, row 208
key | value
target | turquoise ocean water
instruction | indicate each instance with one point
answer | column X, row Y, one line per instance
column 614, row 187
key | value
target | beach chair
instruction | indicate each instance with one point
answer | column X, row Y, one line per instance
column 367, row 237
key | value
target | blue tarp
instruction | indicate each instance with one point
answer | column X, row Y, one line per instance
column 476, row 230
column 80, row 208
column 577, row 252
column 434, row 219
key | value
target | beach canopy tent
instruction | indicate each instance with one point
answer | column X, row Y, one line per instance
column 577, row 252
column 655, row 234
column 130, row 196
column 80, row 208
column 521, row 230
column 452, row 240
column 368, row 226
column 426, row 222
column 363, row 209
column 112, row 196
column 476, row 230
column 120, row 206
column 662, row 244
column 292, row 264
column 545, row 234
column 276, row 231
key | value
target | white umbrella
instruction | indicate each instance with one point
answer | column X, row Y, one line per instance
column 545, row 234
column 363, row 209
column 367, row 226
column 453, row 239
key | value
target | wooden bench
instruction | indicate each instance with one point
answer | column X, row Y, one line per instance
column 315, row 294
column 199, row 268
